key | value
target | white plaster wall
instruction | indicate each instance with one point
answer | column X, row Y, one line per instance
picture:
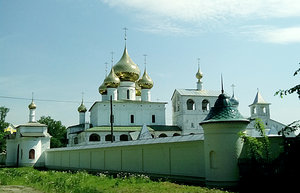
column 122, row 111
column 179, row 158
column 27, row 143
column 11, row 152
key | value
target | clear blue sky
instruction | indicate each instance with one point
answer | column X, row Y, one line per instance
column 57, row 49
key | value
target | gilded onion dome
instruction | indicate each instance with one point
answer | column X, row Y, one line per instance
column 112, row 80
column 199, row 74
column 145, row 82
column 102, row 89
column 32, row 105
column 138, row 91
column 126, row 69
column 81, row 108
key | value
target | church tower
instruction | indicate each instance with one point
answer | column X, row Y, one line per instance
column 260, row 108
column 32, row 108
column 81, row 110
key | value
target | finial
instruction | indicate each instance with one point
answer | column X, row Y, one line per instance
column 112, row 59
column 222, row 84
column 198, row 63
column 145, row 60
column 32, row 96
column 82, row 93
column 232, row 89
column 125, row 34
column 105, row 69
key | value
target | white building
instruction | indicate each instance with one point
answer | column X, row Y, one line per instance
column 131, row 105
column 26, row 146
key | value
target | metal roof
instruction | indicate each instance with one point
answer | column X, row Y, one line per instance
column 175, row 139
column 135, row 128
column 194, row 92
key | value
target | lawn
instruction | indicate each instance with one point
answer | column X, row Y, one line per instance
column 56, row 181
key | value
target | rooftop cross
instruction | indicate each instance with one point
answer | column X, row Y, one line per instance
column 145, row 60
column 198, row 63
column 112, row 59
column 232, row 89
column 125, row 35
column 105, row 69
column 222, row 84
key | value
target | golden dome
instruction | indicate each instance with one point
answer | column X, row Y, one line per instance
column 138, row 91
column 145, row 82
column 112, row 80
column 126, row 69
column 32, row 105
column 102, row 89
column 199, row 74
column 81, row 108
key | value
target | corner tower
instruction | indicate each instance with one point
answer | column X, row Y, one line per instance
column 222, row 143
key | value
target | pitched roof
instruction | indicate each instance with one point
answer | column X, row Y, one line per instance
column 195, row 92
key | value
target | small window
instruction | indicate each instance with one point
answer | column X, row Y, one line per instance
column 94, row 137
column 205, row 105
column 128, row 94
column 190, row 104
column 131, row 118
column 76, row 140
column 31, row 154
column 153, row 118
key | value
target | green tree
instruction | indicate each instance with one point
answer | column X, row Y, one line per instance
column 3, row 125
column 291, row 90
column 258, row 149
column 56, row 130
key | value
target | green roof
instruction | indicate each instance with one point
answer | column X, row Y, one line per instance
column 223, row 110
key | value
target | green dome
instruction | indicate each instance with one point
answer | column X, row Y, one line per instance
column 223, row 110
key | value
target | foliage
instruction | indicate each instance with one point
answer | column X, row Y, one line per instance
column 56, row 130
column 292, row 127
column 258, row 150
column 291, row 90
column 54, row 181
column 3, row 125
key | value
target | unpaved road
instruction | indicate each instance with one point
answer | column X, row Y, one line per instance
column 17, row 189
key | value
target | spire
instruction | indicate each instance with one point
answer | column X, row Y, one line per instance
column 259, row 99
column 145, row 60
column 125, row 35
column 222, row 91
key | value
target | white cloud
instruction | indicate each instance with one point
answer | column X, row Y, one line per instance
column 273, row 35
column 193, row 16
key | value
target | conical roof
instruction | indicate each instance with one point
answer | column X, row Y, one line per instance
column 145, row 82
column 259, row 99
column 126, row 69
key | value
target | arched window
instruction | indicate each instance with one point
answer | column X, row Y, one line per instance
column 94, row 137
column 124, row 137
column 76, row 140
column 162, row 135
column 108, row 138
column 190, row 104
column 205, row 105
column 153, row 118
column 176, row 134
column 31, row 154
column 212, row 159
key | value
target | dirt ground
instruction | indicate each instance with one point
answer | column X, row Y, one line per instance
column 17, row 189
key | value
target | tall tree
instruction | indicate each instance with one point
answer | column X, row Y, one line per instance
column 291, row 90
column 56, row 130
column 3, row 125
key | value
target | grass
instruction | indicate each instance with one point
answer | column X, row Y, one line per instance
column 56, row 181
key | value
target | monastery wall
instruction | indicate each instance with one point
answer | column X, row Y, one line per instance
column 179, row 157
